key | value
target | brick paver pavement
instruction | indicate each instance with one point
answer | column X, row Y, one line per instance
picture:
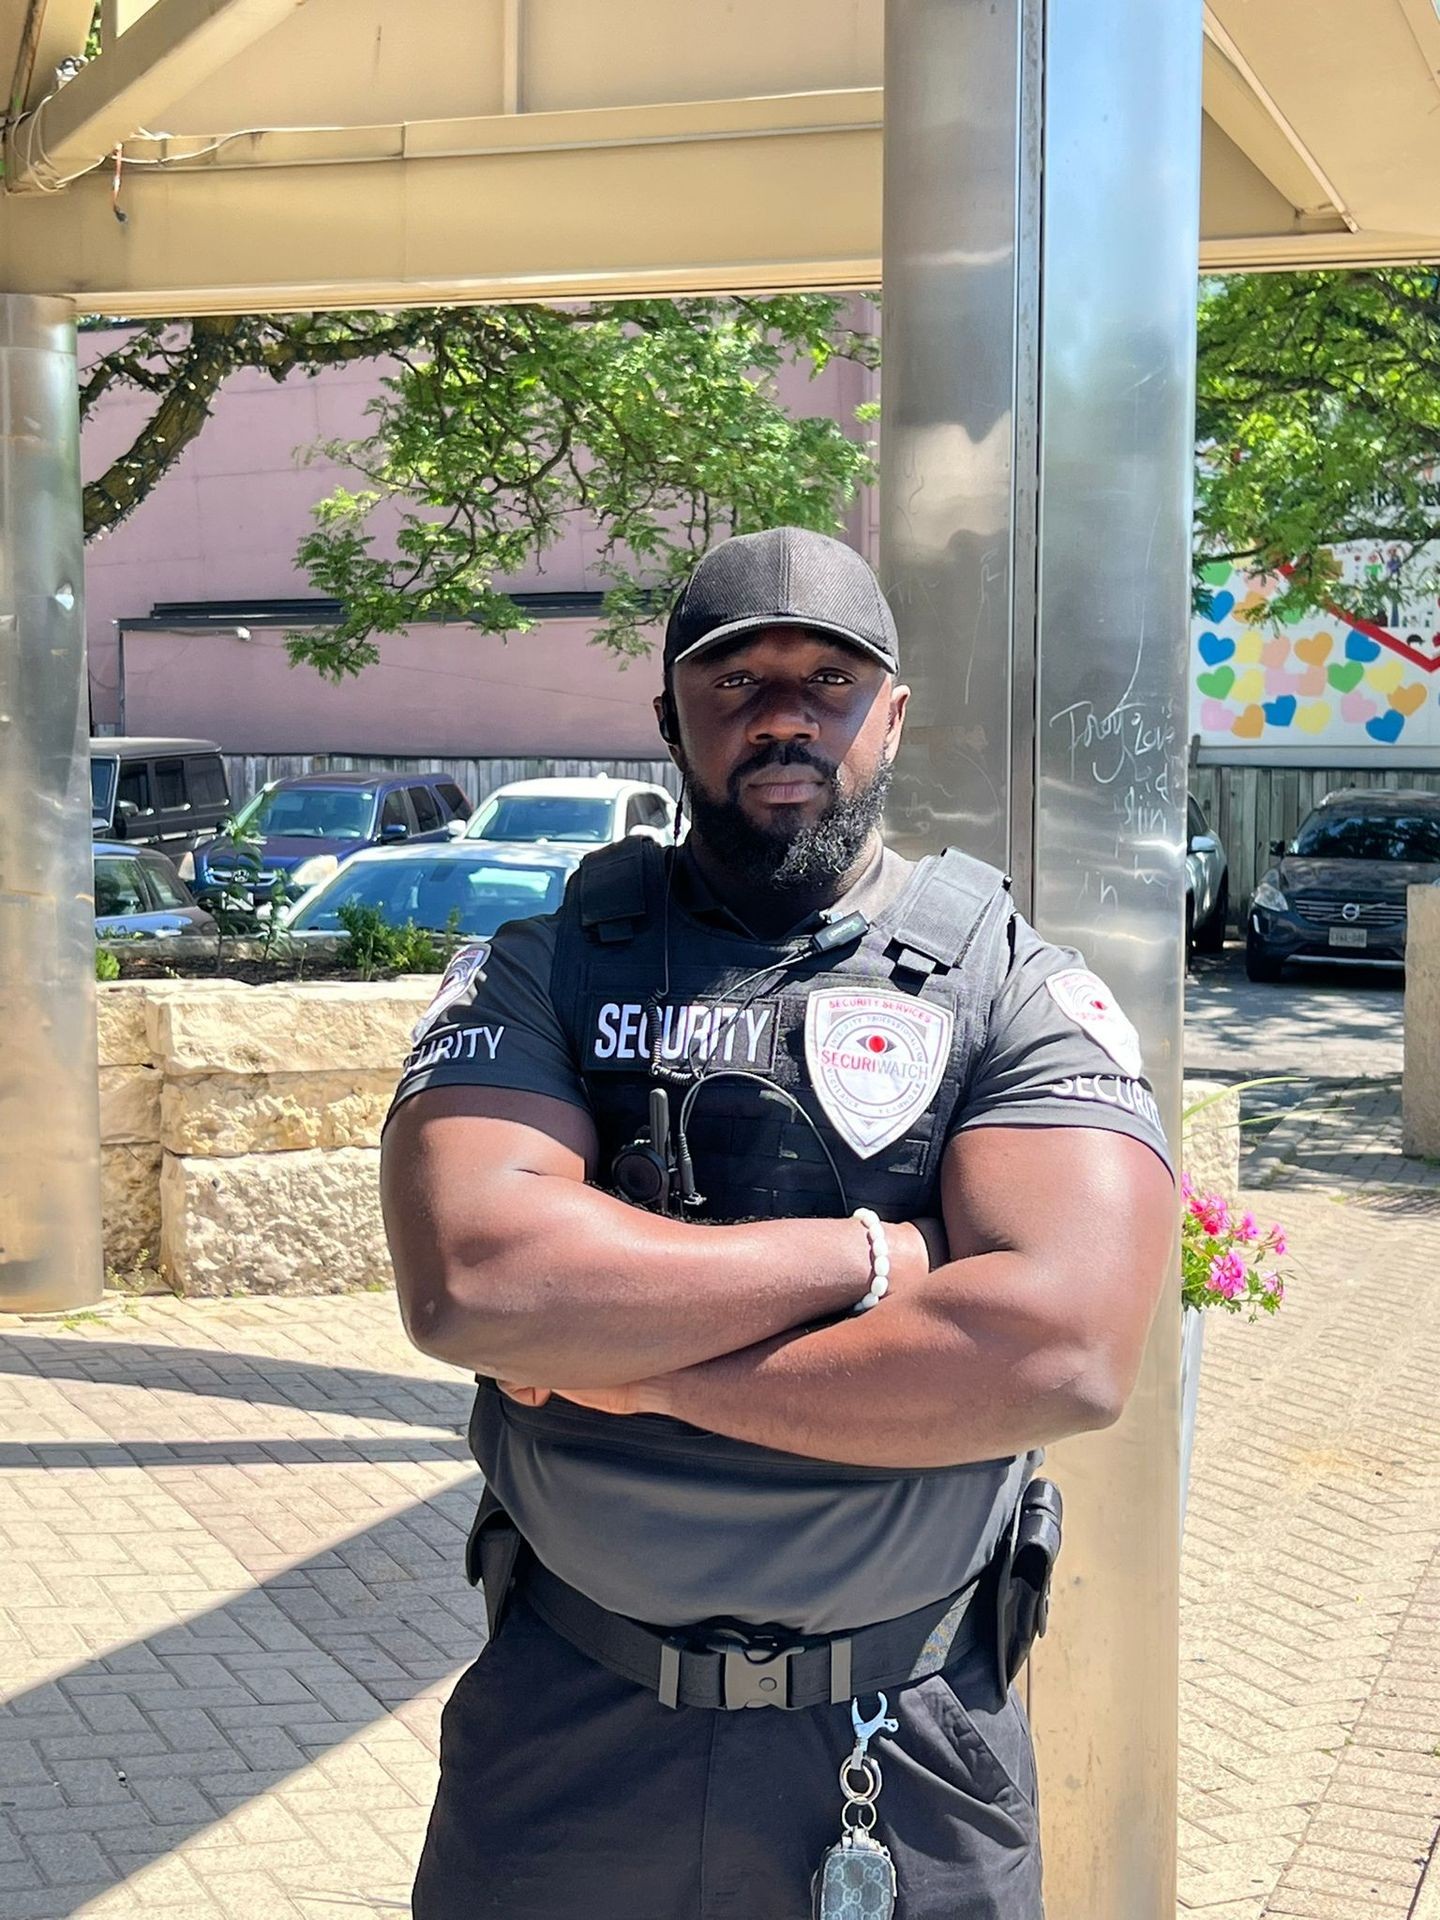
column 231, row 1604
column 231, row 1607
column 1310, row 1702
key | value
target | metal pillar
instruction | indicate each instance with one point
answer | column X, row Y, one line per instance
column 1041, row 233
column 50, row 1250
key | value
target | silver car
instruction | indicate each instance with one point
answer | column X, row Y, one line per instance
column 1207, row 884
column 473, row 886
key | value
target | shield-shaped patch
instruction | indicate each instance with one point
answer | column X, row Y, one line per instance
column 465, row 963
column 876, row 1061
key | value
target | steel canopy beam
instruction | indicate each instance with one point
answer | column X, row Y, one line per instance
column 166, row 52
column 700, row 196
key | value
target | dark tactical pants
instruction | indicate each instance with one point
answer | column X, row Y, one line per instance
column 567, row 1793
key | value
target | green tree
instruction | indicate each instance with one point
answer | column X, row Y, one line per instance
column 658, row 421
column 1318, row 423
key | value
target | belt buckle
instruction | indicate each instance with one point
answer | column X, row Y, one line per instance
column 753, row 1674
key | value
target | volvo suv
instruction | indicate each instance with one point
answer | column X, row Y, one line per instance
column 1337, row 891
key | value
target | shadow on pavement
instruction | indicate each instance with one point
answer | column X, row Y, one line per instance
column 118, row 1761
column 310, row 1386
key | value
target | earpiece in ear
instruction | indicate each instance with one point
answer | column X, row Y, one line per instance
column 669, row 722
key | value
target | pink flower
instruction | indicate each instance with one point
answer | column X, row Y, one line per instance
column 1248, row 1229
column 1187, row 1186
column 1277, row 1243
column 1273, row 1285
column 1227, row 1275
column 1212, row 1212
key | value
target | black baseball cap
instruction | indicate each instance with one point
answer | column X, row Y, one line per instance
column 784, row 577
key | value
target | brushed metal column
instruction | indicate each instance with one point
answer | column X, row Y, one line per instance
column 1041, row 232
column 50, row 1250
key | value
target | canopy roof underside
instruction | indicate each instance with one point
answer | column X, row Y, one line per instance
column 324, row 153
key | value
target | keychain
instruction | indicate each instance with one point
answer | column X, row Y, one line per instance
column 856, row 1878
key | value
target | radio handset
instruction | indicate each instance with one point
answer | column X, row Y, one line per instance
column 643, row 1171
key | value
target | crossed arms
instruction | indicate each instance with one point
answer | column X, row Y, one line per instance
column 1059, row 1241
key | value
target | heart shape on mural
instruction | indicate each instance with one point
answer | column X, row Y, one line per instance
column 1220, row 605
column 1409, row 699
column 1276, row 651
column 1359, row 646
column 1387, row 729
column 1314, row 650
column 1314, row 719
column 1356, row 707
column 1216, row 684
column 1386, row 675
column 1345, row 679
column 1282, row 711
column 1250, row 725
column 1216, row 572
column 1214, row 649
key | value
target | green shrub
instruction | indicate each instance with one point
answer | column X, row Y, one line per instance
column 372, row 946
column 107, row 967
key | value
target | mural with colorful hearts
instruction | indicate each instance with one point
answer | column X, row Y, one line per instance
column 1313, row 682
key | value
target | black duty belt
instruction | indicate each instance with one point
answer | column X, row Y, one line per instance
column 727, row 1667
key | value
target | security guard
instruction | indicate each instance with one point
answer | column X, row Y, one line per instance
column 786, row 1198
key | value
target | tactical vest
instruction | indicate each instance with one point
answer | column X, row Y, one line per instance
column 646, row 984
column 942, row 941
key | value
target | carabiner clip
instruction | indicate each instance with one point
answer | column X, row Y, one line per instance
column 866, row 1730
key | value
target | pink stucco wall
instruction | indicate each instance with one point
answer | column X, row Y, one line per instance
column 224, row 525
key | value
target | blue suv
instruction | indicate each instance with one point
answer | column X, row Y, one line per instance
column 311, row 824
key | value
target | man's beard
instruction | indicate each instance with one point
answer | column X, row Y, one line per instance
column 786, row 859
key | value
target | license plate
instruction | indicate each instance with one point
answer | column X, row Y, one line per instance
column 1348, row 937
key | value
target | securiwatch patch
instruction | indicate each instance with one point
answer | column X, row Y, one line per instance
column 876, row 1061
column 702, row 1033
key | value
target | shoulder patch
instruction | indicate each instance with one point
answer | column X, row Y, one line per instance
column 465, row 965
column 1088, row 1003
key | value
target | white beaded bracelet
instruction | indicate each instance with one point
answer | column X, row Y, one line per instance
column 879, row 1260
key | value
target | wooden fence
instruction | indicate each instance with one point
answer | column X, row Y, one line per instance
column 1251, row 806
column 1247, row 806
column 248, row 772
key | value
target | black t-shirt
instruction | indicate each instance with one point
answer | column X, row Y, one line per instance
column 659, row 1521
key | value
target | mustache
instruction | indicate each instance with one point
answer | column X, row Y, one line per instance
column 778, row 754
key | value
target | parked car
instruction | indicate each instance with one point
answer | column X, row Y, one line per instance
column 157, row 793
column 589, row 811
column 138, row 891
column 312, row 823
column 1337, row 891
column 482, row 885
column 1207, row 884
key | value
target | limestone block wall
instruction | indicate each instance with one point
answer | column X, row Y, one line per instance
column 1421, row 1089
column 1210, row 1152
column 241, row 1129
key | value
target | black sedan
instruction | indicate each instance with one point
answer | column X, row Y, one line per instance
column 1338, row 890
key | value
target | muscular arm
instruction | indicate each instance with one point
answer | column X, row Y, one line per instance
column 1061, row 1239
column 508, row 1264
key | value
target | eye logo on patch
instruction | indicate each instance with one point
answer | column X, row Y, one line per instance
column 1088, row 1003
column 456, row 979
column 876, row 1061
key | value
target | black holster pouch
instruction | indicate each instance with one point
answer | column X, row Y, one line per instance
column 1023, row 1569
column 493, row 1557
